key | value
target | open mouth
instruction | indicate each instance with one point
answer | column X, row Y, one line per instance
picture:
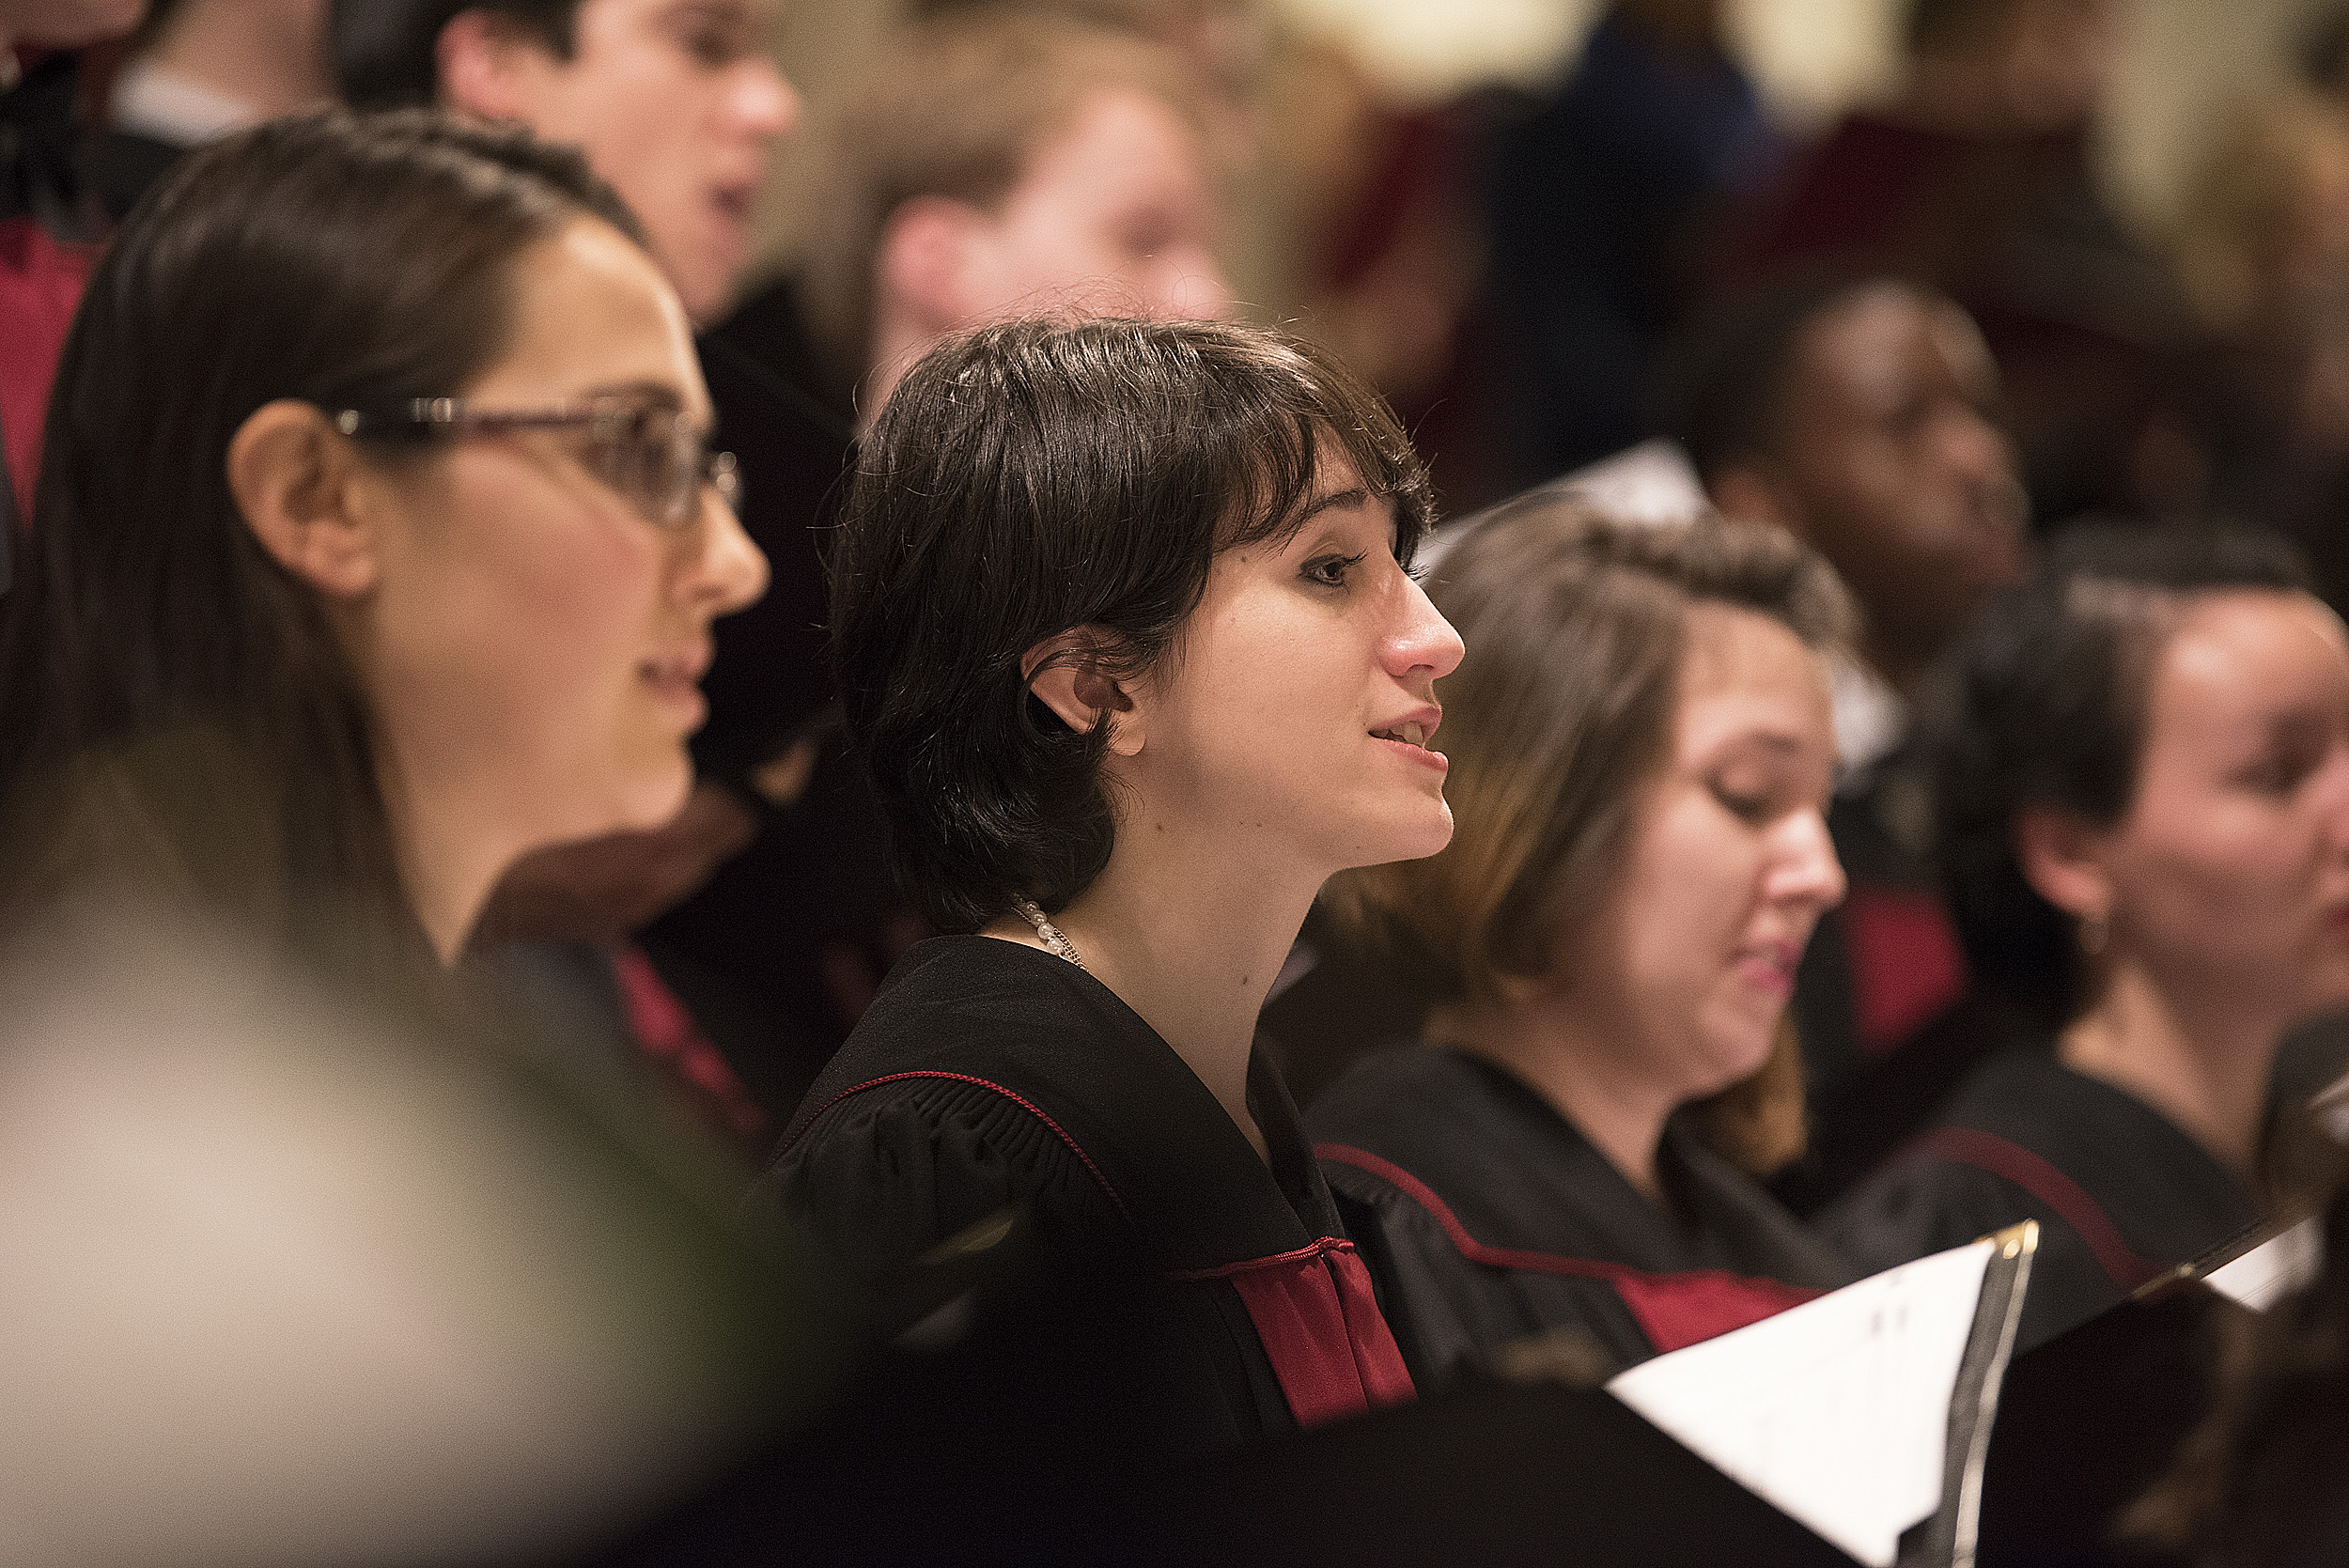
column 1410, row 735
column 681, row 669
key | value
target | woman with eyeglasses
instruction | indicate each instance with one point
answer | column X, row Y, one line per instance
column 375, row 544
column 374, row 471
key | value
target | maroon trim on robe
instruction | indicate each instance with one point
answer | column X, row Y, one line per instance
column 1306, row 1305
column 1906, row 967
column 1987, row 1151
column 1672, row 1310
column 1059, row 1132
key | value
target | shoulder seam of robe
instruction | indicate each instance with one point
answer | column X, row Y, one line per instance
column 1674, row 1309
column 2009, row 1162
column 1030, row 1108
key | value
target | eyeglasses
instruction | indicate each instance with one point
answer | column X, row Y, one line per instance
column 654, row 457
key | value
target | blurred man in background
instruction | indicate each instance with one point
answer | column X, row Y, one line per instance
column 981, row 165
column 1978, row 178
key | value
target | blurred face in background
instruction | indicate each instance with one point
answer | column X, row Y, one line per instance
column 1887, row 462
column 2228, row 877
column 1114, row 213
column 1686, row 969
column 677, row 105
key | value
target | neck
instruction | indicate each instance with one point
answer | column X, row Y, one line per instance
column 1189, row 938
column 1558, row 1053
column 451, row 855
column 2203, row 1068
column 245, row 51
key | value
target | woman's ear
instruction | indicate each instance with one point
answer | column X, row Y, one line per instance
column 486, row 64
column 924, row 260
column 295, row 478
column 1743, row 493
column 1069, row 673
column 2058, row 854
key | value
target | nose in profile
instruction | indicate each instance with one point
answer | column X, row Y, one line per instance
column 1426, row 641
column 724, row 571
column 1805, row 869
column 766, row 105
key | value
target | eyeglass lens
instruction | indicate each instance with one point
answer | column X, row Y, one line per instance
column 658, row 459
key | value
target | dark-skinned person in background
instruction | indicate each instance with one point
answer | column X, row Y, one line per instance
column 1977, row 179
column 1862, row 415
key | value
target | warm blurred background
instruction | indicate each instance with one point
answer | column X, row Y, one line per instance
column 1360, row 186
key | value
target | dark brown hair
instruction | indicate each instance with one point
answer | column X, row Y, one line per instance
column 1038, row 476
column 385, row 54
column 2048, row 707
column 1555, row 722
column 151, row 651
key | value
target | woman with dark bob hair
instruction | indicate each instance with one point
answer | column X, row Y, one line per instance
column 374, row 514
column 2144, row 812
column 1640, row 752
column 1125, row 635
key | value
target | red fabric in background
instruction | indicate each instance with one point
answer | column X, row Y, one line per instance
column 41, row 283
column 1906, row 964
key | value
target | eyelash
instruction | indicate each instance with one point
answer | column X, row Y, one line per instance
column 1746, row 807
column 1344, row 565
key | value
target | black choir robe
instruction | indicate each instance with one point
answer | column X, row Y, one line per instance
column 988, row 1075
column 2121, row 1194
column 1487, row 1218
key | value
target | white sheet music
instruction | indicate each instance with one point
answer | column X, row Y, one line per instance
column 2272, row 1269
column 1836, row 1411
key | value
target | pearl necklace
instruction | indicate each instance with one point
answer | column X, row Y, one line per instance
column 1048, row 933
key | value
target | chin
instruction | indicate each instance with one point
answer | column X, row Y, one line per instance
column 654, row 799
column 1426, row 834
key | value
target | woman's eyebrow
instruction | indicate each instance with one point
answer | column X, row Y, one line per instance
column 660, row 392
column 1357, row 496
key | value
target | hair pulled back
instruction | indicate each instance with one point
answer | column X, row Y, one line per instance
column 338, row 259
column 2047, row 709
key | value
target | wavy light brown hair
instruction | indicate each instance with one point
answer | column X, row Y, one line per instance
column 1556, row 725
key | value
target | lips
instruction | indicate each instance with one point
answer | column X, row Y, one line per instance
column 683, row 667
column 1414, row 728
column 1408, row 739
column 733, row 202
column 1770, row 966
